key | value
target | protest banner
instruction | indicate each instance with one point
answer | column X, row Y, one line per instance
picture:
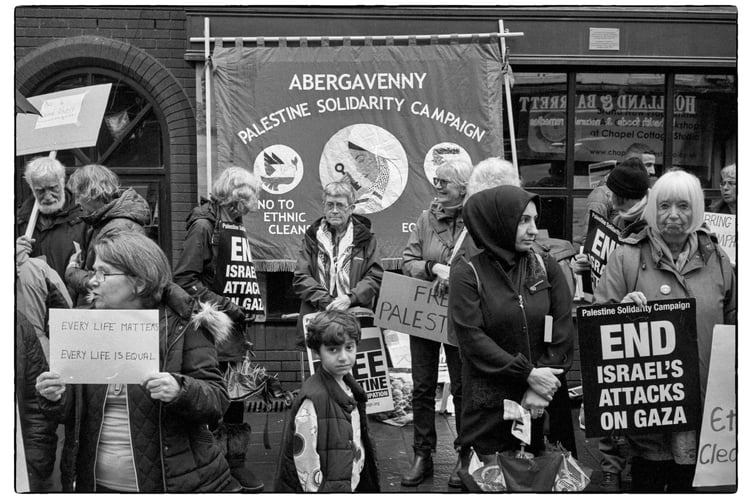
column 597, row 172
column 716, row 456
column 602, row 238
column 409, row 306
column 381, row 117
column 639, row 367
column 236, row 274
column 724, row 227
column 113, row 346
column 370, row 369
column 69, row 119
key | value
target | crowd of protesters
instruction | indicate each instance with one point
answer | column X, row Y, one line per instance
column 510, row 302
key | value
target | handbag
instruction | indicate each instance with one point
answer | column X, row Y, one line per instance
column 555, row 469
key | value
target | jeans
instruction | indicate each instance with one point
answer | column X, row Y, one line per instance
column 424, row 355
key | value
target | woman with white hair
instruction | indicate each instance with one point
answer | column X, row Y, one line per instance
column 427, row 257
column 202, row 272
column 673, row 256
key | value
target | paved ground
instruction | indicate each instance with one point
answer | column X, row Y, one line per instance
column 394, row 449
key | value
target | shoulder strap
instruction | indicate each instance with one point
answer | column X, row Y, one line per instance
column 477, row 278
column 633, row 263
column 542, row 264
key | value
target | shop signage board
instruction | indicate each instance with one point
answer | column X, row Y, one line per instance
column 69, row 119
column 370, row 369
column 724, row 227
column 408, row 305
column 113, row 346
column 717, row 452
column 639, row 367
column 381, row 117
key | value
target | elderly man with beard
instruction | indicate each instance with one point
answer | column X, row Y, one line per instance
column 58, row 225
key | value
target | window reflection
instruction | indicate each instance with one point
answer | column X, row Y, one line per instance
column 539, row 103
column 704, row 131
column 616, row 113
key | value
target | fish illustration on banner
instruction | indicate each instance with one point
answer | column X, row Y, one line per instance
column 379, row 117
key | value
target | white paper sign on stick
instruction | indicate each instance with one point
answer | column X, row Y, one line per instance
column 69, row 119
column 112, row 346
column 716, row 455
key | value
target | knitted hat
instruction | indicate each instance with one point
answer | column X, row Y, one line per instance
column 629, row 180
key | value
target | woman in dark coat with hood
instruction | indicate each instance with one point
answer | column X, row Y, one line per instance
column 498, row 302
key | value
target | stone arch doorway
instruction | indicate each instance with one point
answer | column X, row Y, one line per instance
column 147, row 114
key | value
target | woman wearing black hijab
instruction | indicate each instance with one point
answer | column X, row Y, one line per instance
column 498, row 302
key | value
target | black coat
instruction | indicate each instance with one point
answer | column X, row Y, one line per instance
column 54, row 234
column 499, row 322
column 174, row 450
column 38, row 430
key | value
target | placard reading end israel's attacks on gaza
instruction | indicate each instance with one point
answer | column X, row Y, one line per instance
column 639, row 367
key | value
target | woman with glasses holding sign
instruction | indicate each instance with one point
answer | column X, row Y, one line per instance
column 673, row 256
column 339, row 265
column 151, row 437
column 511, row 309
column 216, row 266
column 426, row 256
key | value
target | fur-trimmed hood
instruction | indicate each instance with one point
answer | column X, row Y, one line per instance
column 200, row 314
column 217, row 323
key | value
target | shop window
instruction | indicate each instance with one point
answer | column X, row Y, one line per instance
column 553, row 216
column 613, row 113
column 539, row 103
column 704, row 126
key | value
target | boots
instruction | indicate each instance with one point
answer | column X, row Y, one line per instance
column 421, row 469
column 238, row 440
column 463, row 462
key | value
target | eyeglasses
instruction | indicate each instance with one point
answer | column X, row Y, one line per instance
column 341, row 207
column 440, row 183
column 101, row 275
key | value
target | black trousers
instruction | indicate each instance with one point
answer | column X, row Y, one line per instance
column 424, row 356
column 652, row 476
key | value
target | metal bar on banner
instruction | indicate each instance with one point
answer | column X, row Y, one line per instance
column 455, row 36
column 508, row 93
column 35, row 210
column 207, row 85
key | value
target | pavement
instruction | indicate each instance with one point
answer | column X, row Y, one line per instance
column 394, row 452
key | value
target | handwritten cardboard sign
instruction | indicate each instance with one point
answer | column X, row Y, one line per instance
column 111, row 346
column 639, row 367
column 70, row 119
column 370, row 368
column 407, row 305
column 716, row 456
column 724, row 227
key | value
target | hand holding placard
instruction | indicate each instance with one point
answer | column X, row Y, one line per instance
column 162, row 386
column 50, row 385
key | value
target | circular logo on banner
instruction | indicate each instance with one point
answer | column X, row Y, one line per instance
column 279, row 168
column 372, row 160
column 439, row 155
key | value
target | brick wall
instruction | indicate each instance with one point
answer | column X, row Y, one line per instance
column 158, row 31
